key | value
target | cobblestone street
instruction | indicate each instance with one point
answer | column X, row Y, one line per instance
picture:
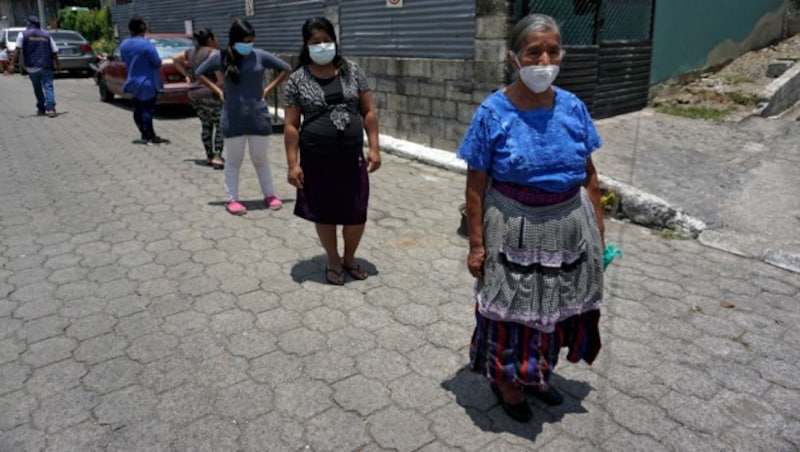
column 136, row 314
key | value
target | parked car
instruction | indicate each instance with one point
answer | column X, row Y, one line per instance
column 112, row 72
column 74, row 52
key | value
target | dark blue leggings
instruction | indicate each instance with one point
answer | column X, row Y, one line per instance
column 143, row 116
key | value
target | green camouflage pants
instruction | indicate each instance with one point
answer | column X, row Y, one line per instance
column 209, row 112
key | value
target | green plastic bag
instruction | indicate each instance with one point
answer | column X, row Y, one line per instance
column 609, row 254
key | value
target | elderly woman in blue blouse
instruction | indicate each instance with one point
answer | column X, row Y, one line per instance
column 535, row 225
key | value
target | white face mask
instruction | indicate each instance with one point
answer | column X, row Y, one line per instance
column 537, row 78
column 322, row 53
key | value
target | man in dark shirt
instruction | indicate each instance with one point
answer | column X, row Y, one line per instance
column 40, row 55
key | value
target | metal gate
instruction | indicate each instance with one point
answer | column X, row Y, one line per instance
column 609, row 45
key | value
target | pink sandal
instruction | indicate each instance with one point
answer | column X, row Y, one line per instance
column 235, row 208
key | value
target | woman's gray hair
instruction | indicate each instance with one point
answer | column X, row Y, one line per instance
column 530, row 24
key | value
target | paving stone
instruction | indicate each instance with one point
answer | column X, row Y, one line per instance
column 166, row 373
column 275, row 368
column 232, row 321
column 258, row 301
column 244, row 401
column 434, row 362
column 701, row 415
column 413, row 391
column 184, row 404
column 64, row 409
column 301, row 341
column 351, row 341
column 413, row 314
column 48, row 351
column 752, row 439
column 151, row 347
column 221, row 371
column 402, row 430
column 169, row 304
column 302, row 398
column 202, row 345
column 209, row 433
column 126, row 406
column 400, row 338
column 32, row 310
column 686, row 380
column 15, row 410
column 360, row 394
column 183, row 323
column 112, row 375
column 251, row 343
column 329, row 366
column 91, row 326
column 13, row 376
column 337, row 430
column 214, row 302
column 55, row 378
column 272, row 432
column 453, row 428
column 22, row 438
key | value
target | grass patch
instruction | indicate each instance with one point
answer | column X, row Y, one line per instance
column 741, row 99
column 737, row 79
column 671, row 234
column 695, row 112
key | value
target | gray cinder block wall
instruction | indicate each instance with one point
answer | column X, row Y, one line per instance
column 431, row 101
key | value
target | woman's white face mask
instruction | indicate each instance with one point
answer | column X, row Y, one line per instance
column 323, row 53
column 537, row 78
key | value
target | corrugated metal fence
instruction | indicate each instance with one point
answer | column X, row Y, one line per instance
column 420, row 29
column 609, row 50
column 277, row 22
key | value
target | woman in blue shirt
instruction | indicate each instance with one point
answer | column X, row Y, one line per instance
column 245, row 115
column 144, row 80
column 535, row 225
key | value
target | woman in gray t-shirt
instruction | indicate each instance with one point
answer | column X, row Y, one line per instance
column 245, row 115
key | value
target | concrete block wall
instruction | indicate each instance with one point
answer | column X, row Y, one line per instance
column 431, row 101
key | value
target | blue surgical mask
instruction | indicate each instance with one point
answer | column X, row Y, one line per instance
column 243, row 48
column 322, row 54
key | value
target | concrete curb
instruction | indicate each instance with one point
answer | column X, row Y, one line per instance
column 640, row 207
column 782, row 93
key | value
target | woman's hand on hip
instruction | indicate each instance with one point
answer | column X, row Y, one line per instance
column 373, row 160
column 295, row 176
column 475, row 260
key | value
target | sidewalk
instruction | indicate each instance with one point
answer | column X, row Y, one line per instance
column 135, row 314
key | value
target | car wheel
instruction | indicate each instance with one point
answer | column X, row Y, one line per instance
column 105, row 94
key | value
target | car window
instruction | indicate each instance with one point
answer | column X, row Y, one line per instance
column 67, row 36
column 169, row 47
column 12, row 36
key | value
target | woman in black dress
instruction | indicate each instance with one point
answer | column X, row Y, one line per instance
column 325, row 153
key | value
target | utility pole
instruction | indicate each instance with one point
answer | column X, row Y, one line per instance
column 42, row 15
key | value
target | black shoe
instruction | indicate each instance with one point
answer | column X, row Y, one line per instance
column 520, row 412
column 157, row 140
column 550, row 396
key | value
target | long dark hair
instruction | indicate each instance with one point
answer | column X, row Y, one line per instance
column 202, row 36
column 321, row 24
column 231, row 59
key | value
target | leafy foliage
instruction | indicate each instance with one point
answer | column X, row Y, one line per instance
column 95, row 25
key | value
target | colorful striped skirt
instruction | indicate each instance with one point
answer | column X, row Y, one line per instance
column 514, row 353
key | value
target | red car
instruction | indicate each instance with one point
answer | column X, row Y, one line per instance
column 112, row 73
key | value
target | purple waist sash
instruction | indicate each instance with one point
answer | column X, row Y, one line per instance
column 531, row 196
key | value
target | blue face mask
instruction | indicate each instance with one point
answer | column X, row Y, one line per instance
column 243, row 48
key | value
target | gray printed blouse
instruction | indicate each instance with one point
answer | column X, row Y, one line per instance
column 302, row 90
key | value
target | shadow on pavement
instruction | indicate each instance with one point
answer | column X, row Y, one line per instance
column 313, row 269
column 474, row 395
column 250, row 204
column 162, row 112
